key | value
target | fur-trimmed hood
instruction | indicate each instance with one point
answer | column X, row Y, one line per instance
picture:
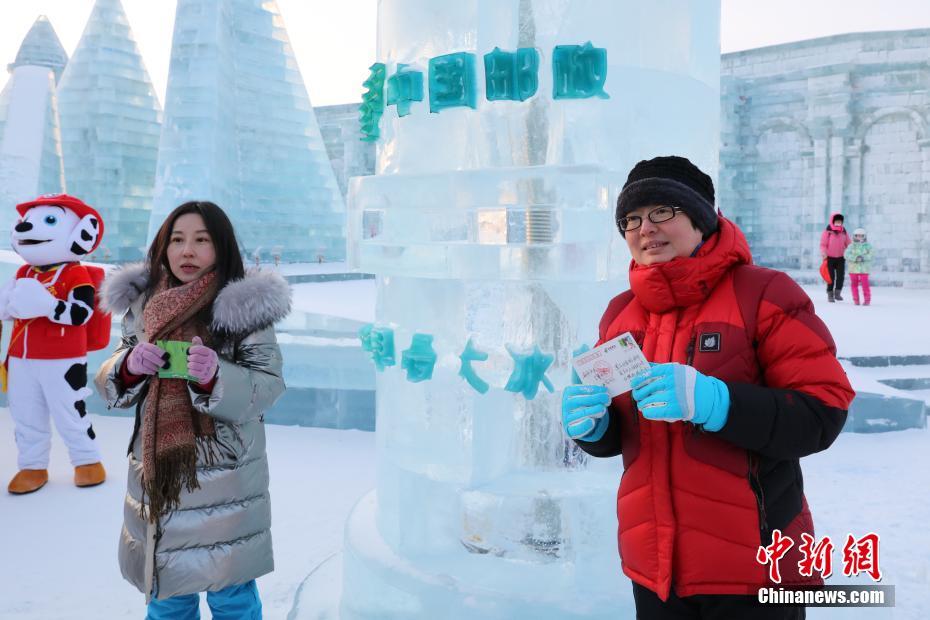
column 257, row 301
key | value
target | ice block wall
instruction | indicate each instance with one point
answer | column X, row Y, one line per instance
column 490, row 222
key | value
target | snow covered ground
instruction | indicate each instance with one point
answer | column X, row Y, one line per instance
column 351, row 299
column 894, row 324
column 58, row 545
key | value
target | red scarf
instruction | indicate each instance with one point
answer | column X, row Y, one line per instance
column 172, row 430
column 685, row 281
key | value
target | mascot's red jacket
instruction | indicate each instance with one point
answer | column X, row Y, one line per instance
column 52, row 245
column 43, row 339
column 694, row 506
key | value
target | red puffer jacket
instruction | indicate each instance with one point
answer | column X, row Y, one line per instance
column 694, row 506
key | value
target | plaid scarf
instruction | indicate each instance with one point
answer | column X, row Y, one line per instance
column 172, row 430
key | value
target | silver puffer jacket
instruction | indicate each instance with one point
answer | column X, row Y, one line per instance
column 220, row 535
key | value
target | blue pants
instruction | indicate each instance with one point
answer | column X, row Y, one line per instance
column 233, row 603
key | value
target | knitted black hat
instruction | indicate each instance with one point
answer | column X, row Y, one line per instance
column 671, row 181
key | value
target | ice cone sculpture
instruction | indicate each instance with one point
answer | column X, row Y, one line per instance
column 240, row 131
column 490, row 226
column 110, row 123
column 30, row 137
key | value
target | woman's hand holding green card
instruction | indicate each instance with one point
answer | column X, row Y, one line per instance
column 177, row 359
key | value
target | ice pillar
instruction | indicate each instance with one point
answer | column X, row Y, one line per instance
column 30, row 138
column 491, row 220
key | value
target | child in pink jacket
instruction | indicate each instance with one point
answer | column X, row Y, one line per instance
column 833, row 244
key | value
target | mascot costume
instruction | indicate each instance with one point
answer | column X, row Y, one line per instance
column 52, row 301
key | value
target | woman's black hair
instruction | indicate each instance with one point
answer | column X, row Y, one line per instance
column 228, row 266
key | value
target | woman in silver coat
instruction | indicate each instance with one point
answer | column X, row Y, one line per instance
column 197, row 515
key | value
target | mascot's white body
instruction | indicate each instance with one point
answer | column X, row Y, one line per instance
column 51, row 302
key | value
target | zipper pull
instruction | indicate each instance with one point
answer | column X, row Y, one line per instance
column 689, row 352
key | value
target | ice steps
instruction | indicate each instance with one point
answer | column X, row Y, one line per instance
column 899, row 397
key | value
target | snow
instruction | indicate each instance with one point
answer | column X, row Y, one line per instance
column 877, row 483
column 59, row 544
column 299, row 269
column 893, row 324
column 888, row 326
column 350, row 299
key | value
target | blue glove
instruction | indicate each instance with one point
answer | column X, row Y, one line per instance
column 583, row 409
column 672, row 392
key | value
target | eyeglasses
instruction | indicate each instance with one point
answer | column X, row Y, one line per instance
column 656, row 216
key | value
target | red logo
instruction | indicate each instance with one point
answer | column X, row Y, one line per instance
column 603, row 371
column 861, row 556
column 774, row 553
column 817, row 557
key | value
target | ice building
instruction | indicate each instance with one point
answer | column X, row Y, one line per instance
column 240, row 131
column 350, row 156
column 110, row 123
column 504, row 130
column 30, row 137
column 832, row 124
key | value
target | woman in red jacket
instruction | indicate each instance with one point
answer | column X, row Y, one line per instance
column 744, row 382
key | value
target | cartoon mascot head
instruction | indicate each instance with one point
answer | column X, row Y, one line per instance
column 56, row 228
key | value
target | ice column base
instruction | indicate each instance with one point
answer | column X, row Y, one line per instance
column 381, row 583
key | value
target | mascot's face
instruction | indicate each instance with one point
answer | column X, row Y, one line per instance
column 49, row 234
